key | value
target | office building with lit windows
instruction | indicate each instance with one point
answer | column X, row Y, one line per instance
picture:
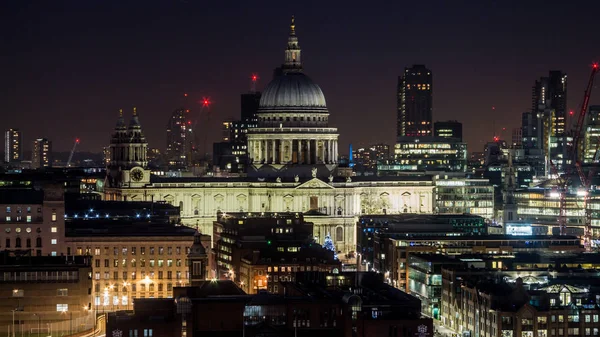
column 41, row 155
column 415, row 102
column 132, row 260
column 238, row 235
column 13, row 146
column 33, row 221
column 426, row 154
column 179, row 139
column 448, row 129
column 591, row 140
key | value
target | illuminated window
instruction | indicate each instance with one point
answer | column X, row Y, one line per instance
column 54, row 241
column 54, row 229
column 62, row 307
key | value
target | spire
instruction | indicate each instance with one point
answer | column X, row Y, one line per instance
column 120, row 121
column 135, row 122
column 293, row 27
column 293, row 61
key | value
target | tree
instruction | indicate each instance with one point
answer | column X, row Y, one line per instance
column 329, row 245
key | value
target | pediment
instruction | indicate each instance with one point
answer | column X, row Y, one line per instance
column 315, row 183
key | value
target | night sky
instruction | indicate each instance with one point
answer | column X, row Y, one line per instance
column 68, row 66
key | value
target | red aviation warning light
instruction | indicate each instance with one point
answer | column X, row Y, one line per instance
column 185, row 95
column 206, row 102
column 77, row 140
column 253, row 79
column 496, row 139
column 571, row 112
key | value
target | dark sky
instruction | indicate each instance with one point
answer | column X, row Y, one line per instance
column 68, row 66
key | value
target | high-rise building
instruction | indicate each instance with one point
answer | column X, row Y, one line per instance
column 591, row 136
column 13, row 152
column 415, row 102
column 517, row 137
column 249, row 107
column 448, row 129
column 41, row 155
column 179, row 138
column 551, row 93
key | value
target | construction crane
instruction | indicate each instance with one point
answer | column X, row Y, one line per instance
column 72, row 151
column 563, row 181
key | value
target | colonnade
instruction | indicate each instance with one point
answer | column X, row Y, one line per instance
column 293, row 151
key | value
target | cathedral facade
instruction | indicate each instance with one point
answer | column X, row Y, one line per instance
column 293, row 154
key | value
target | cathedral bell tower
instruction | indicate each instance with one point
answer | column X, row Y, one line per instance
column 197, row 261
column 293, row 60
column 128, row 166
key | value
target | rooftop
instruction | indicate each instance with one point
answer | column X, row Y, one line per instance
column 21, row 196
column 121, row 228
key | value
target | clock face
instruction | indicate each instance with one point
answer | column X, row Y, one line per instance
column 137, row 174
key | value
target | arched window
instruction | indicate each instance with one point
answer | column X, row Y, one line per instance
column 28, row 243
column 18, row 243
column 339, row 234
column 38, row 242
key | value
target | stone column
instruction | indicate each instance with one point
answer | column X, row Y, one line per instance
column 308, row 152
column 335, row 151
column 274, row 151
column 300, row 152
column 329, row 151
column 259, row 157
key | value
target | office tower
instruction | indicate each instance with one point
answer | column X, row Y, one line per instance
column 13, row 152
column 179, row 138
column 415, row 102
column 588, row 152
column 249, row 107
column 41, row 155
column 517, row 137
column 448, row 129
column 551, row 93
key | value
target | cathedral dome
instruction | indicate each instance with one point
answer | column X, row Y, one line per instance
column 292, row 91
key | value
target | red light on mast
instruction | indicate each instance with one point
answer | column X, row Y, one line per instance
column 77, row 140
column 571, row 112
column 206, row 102
column 595, row 65
column 185, row 95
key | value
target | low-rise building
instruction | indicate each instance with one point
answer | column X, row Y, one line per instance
column 426, row 154
column 237, row 235
column 398, row 247
column 33, row 220
column 262, row 269
column 45, row 294
column 314, row 305
column 132, row 260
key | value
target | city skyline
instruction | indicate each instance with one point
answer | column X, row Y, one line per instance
column 87, row 73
